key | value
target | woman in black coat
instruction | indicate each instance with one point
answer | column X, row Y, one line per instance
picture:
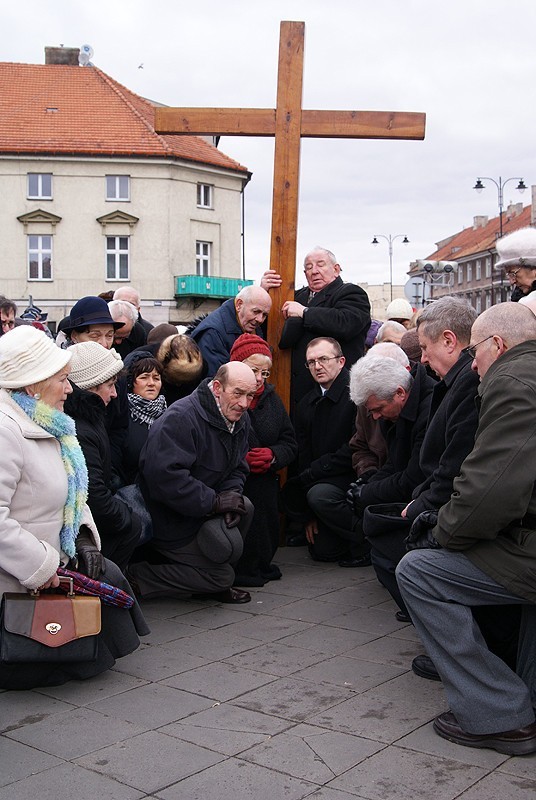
column 145, row 404
column 272, row 446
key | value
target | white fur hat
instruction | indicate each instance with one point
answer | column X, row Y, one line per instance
column 92, row 364
column 28, row 356
column 399, row 309
column 518, row 249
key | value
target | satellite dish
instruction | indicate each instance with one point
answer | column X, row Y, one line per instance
column 86, row 53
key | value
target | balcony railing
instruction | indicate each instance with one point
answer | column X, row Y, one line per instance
column 208, row 286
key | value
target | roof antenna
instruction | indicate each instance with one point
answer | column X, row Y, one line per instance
column 86, row 52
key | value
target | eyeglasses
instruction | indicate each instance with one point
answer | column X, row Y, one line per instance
column 511, row 273
column 265, row 373
column 471, row 350
column 8, row 323
column 323, row 360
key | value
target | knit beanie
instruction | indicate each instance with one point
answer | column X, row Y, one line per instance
column 399, row 309
column 28, row 356
column 92, row 364
column 249, row 344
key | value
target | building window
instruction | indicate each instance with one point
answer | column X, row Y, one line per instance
column 118, row 188
column 478, row 269
column 117, row 258
column 469, row 272
column 39, row 186
column 202, row 258
column 478, row 302
column 488, row 298
column 488, row 268
column 460, row 274
column 204, row 195
column 39, row 258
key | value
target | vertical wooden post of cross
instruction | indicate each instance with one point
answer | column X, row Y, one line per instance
column 286, row 189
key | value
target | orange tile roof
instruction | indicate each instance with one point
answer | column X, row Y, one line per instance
column 478, row 240
column 60, row 110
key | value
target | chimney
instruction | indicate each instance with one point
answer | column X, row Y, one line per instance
column 514, row 210
column 479, row 222
column 62, row 55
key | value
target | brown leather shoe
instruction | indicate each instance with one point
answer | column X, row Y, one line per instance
column 518, row 742
column 232, row 595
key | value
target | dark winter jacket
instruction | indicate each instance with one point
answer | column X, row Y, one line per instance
column 189, row 457
column 324, row 426
column 217, row 333
column 449, row 437
column 491, row 515
column 401, row 473
column 271, row 427
column 340, row 310
column 112, row 517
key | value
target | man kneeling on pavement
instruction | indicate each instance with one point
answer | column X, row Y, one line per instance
column 192, row 472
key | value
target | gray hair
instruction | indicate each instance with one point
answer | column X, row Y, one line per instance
column 379, row 376
column 447, row 313
column 252, row 294
column 122, row 308
column 388, row 350
column 389, row 327
column 513, row 322
column 124, row 292
column 318, row 249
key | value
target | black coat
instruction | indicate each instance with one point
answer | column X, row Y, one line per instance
column 449, row 437
column 324, row 426
column 401, row 473
column 340, row 310
column 112, row 516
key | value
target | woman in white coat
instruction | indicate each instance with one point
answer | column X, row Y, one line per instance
column 44, row 520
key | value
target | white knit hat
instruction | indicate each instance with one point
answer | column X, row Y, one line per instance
column 518, row 249
column 92, row 364
column 28, row 356
column 399, row 309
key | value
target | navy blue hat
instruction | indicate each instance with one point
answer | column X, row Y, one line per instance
column 89, row 311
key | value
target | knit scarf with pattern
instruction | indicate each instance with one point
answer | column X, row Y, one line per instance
column 146, row 411
column 63, row 429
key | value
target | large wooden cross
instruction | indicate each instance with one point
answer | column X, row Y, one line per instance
column 288, row 122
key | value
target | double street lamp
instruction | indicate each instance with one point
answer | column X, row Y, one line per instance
column 390, row 240
column 500, row 184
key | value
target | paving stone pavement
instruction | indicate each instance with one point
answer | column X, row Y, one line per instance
column 306, row 692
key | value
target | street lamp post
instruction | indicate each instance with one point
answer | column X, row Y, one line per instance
column 500, row 184
column 390, row 240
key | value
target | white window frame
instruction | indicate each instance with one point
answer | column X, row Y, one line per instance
column 478, row 269
column 203, row 258
column 488, row 268
column 40, row 194
column 40, row 248
column 114, row 191
column 115, row 250
column 469, row 272
column 205, row 195
column 460, row 273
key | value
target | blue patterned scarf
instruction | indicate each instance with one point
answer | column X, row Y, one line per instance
column 63, row 429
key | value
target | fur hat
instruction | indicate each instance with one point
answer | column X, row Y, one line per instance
column 181, row 359
column 248, row 344
column 92, row 364
column 89, row 311
column 399, row 309
column 28, row 356
column 518, row 249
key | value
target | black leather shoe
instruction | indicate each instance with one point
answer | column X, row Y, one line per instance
column 401, row 616
column 232, row 595
column 424, row 667
column 517, row 742
column 362, row 561
column 299, row 540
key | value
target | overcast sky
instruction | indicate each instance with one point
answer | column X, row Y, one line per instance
column 469, row 65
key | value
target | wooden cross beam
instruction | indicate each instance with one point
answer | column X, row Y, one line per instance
column 288, row 123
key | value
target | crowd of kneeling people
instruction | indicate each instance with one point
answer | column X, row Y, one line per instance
column 164, row 480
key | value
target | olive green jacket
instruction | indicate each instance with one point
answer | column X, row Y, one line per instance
column 496, row 488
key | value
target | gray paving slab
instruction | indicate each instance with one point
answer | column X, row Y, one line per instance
column 206, row 618
column 350, row 673
column 325, row 793
column 168, row 607
column 216, row 644
column 523, row 767
column 277, row 658
column 425, row 740
column 19, row 761
column 292, row 699
column 329, row 639
column 156, row 663
column 238, row 780
column 394, row 774
column 168, row 630
column 310, row 610
column 370, row 620
column 18, row 709
column 171, row 760
column 272, row 628
column 66, row 782
column 81, row 693
column 312, row 753
column 219, row 681
column 152, row 705
column 501, row 787
column 388, row 650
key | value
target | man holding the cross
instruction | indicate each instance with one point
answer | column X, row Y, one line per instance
column 325, row 307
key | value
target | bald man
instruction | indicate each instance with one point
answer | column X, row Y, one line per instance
column 193, row 471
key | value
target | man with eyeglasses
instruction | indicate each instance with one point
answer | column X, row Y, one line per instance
column 517, row 257
column 482, row 549
column 8, row 310
column 325, row 307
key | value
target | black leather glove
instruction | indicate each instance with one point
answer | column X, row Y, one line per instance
column 420, row 534
column 353, row 495
column 231, row 505
column 90, row 560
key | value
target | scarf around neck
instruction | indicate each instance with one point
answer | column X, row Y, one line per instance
column 146, row 411
column 63, row 429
